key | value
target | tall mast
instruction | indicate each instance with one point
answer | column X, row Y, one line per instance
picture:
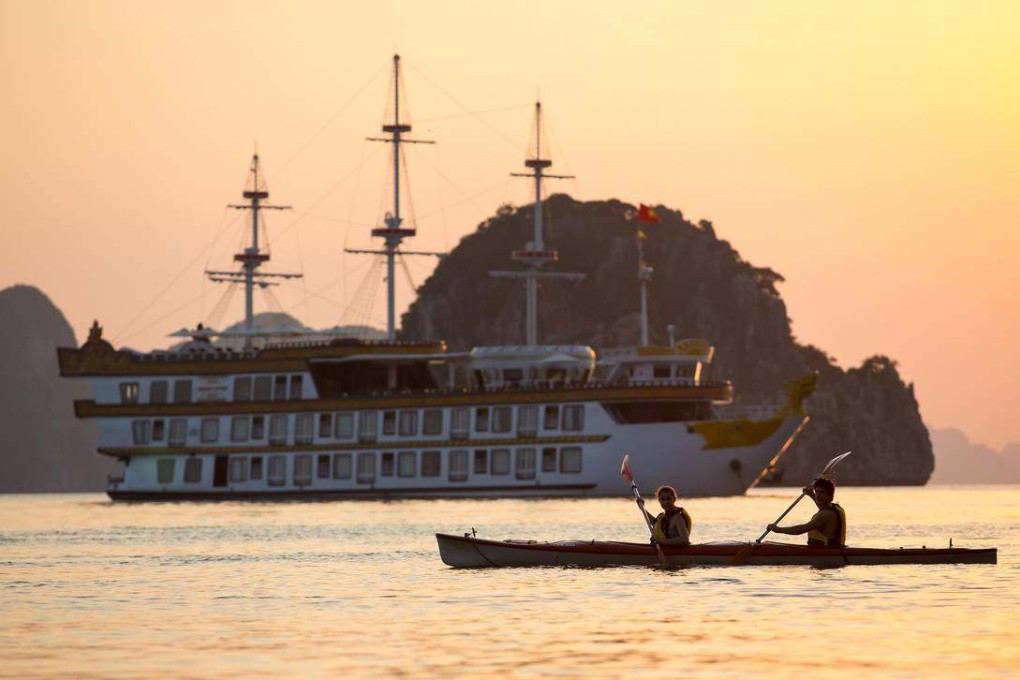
column 252, row 257
column 393, row 233
column 535, row 255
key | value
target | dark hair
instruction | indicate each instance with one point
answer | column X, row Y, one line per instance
column 667, row 488
column 827, row 484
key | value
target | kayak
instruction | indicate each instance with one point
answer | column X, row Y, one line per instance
column 471, row 552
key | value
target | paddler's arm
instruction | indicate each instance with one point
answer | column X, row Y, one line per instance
column 816, row 522
column 650, row 516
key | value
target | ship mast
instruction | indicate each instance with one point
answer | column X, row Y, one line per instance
column 644, row 276
column 393, row 233
column 535, row 255
column 252, row 257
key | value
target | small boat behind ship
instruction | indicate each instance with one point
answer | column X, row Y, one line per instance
column 469, row 552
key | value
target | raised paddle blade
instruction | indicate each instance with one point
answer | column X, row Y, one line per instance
column 833, row 463
column 625, row 471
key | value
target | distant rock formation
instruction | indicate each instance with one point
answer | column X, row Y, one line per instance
column 43, row 447
column 285, row 327
column 703, row 286
column 960, row 461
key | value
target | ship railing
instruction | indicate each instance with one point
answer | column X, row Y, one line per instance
column 747, row 412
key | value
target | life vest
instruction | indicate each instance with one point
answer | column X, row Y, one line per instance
column 818, row 538
column 661, row 524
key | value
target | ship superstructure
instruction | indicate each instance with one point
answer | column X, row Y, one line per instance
column 347, row 418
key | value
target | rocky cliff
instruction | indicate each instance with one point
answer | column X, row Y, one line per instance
column 43, row 447
column 703, row 286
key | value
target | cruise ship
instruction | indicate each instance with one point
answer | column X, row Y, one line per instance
column 343, row 418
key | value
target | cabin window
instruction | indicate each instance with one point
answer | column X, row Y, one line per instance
column 193, row 470
column 341, row 466
column 458, row 465
column 178, row 431
column 158, row 427
column 258, row 427
column 210, row 429
column 279, row 387
column 459, row 424
column 549, row 459
column 500, row 461
column 409, row 423
column 552, row 417
column 525, row 463
column 182, row 391
column 165, row 470
column 238, row 469
column 368, row 426
column 389, row 422
column 239, row 429
column 325, row 425
column 303, row 424
column 406, row 463
column 387, row 464
column 366, row 468
column 263, row 388
column 661, row 372
column 512, row 376
column 322, row 469
column 242, row 389
column 140, row 431
column 570, row 459
column 573, row 417
column 431, row 463
column 129, row 393
column 344, row 425
column 278, row 429
column 157, row 392
column 482, row 419
column 277, row 470
column 502, row 418
column 256, row 467
column 296, row 387
column 527, row 421
column 481, row 462
column 303, row 469
column 432, row 422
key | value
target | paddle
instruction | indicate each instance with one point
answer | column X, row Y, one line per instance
column 628, row 476
column 745, row 553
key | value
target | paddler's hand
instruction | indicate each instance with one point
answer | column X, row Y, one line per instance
column 772, row 527
column 641, row 502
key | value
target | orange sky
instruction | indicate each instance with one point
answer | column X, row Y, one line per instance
column 869, row 152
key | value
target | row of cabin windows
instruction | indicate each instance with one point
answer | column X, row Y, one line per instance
column 247, row 388
column 524, row 462
column 497, row 419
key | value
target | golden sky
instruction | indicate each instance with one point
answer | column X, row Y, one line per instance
column 869, row 152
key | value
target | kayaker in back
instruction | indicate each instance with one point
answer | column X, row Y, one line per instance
column 673, row 525
column 828, row 526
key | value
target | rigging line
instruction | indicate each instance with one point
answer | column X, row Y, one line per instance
column 410, row 196
column 271, row 301
column 350, row 221
column 317, row 296
column 476, row 113
column 327, row 194
column 329, row 122
column 326, row 218
column 407, row 272
column 162, row 318
column 288, row 284
column 217, row 313
column 120, row 336
column 559, row 151
column 504, row 136
column 502, row 183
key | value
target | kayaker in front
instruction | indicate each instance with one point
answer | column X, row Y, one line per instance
column 673, row 525
column 827, row 528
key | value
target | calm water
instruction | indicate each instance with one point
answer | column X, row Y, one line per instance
column 356, row 590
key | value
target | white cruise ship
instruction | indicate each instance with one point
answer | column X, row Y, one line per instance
column 344, row 418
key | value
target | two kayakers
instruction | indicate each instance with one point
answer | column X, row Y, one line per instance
column 673, row 525
column 828, row 526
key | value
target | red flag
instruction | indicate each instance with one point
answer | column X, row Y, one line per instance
column 647, row 214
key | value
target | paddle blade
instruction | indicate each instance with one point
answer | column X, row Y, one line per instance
column 625, row 470
column 834, row 462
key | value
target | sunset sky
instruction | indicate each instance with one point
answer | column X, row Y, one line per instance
column 868, row 151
